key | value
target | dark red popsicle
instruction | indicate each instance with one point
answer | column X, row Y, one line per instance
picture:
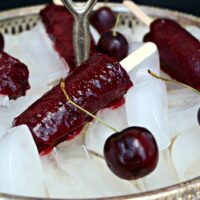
column 58, row 22
column 13, row 77
column 179, row 51
column 98, row 83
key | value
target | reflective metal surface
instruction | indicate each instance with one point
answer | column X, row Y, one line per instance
column 81, row 33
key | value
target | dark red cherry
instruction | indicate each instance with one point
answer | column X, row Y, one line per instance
column 1, row 42
column 114, row 45
column 198, row 116
column 132, row 153
column 103, row 19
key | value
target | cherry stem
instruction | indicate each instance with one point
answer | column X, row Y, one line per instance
column 116, row 25
column 173, row 81
column 95, row 153
column 62, row 86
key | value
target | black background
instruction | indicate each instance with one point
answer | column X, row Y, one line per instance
column 189, row 6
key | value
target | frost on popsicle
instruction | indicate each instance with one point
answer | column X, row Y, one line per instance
column 20, row 169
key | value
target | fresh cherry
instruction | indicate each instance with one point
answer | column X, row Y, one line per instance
column 132, row 153
column 1, row 42
column 103, row 19
column 113, row 44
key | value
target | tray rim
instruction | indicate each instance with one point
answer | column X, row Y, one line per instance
column 34, row 10
column 177, row 190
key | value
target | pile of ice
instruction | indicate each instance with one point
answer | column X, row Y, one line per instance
column 70, row 170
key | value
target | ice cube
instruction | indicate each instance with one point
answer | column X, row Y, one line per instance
column 38, row 54
column 20, row 169
column 59, row 183
column 106, row 184
column 139, row 32
column 140, row 73
column 4, row 101
column 16, row 107
column 126, row 32
column 186, row 153
column 80, row 175
column 164, row 175
column 96, row 36
column 139, row 184
column 146, row 106
column 72, row 152
column 78, row 141
column 134, row 46
column 97, row 133
column 183, row 107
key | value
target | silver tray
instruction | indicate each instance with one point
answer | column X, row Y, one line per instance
column 19, row 20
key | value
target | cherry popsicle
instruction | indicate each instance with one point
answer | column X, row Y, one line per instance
column 97, row 83
column 58, row 23
column 13, row 77
column 179, row 50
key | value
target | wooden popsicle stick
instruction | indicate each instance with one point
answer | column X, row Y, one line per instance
column 137, row 11
column 57, row 2
column 135, row 58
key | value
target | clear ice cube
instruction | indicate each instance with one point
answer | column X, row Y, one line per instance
column 35, row 49
column 146, row 106
column 20, row 169
column 4, row 101
column 164, row 175
column 183, row 107
column 186, row 153
column 81, row 175
column 98, row 133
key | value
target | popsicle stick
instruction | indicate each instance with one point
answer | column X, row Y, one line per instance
column 135, row 58
column 137, row 11
column 57, row 2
